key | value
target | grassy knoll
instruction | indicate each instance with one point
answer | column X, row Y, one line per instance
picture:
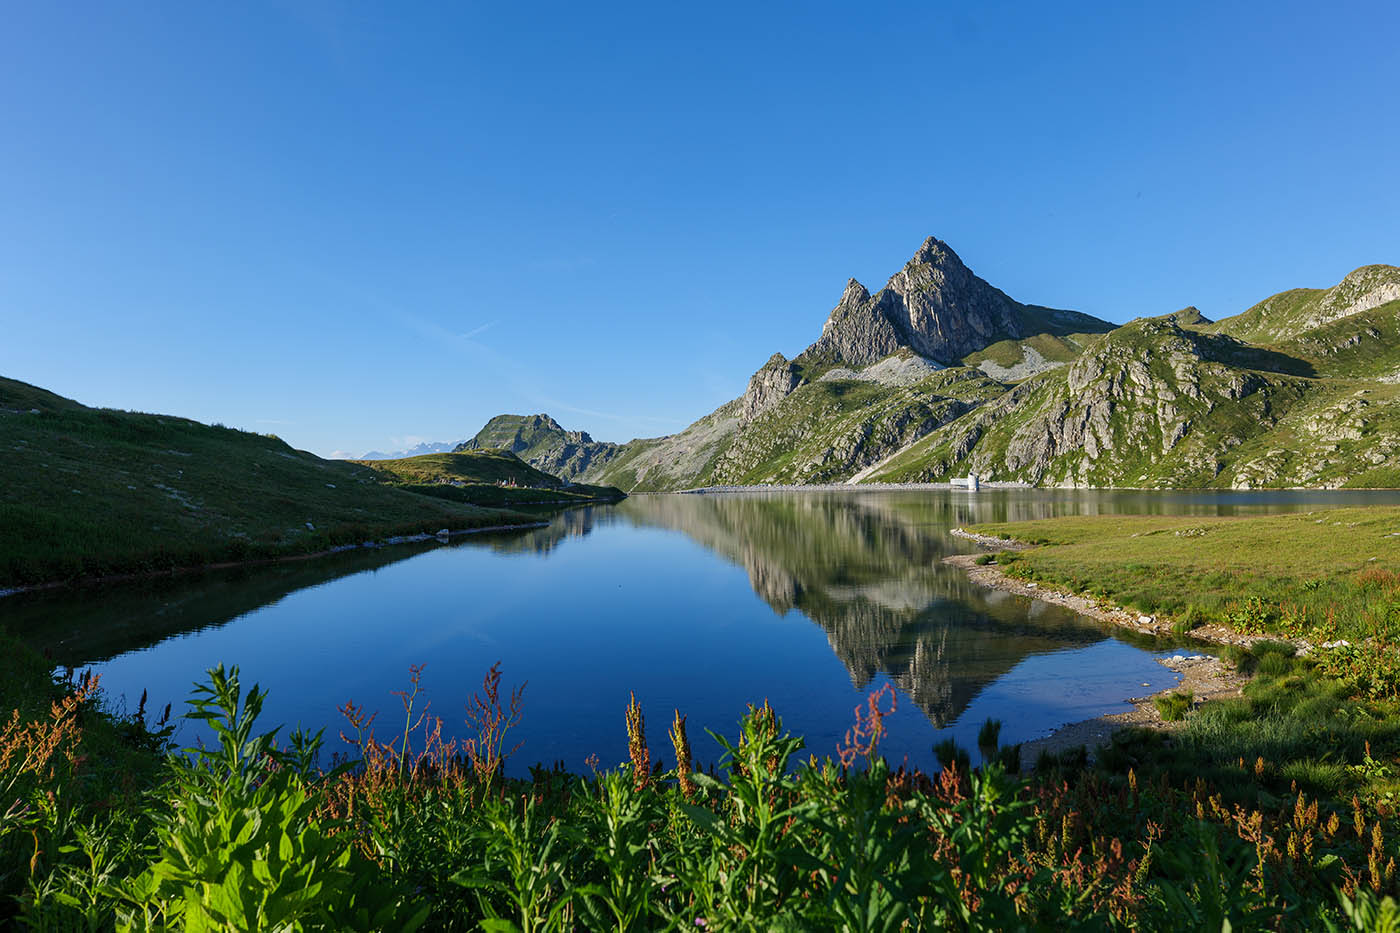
column 90, row 492
column 477, row 477
column 490, row 465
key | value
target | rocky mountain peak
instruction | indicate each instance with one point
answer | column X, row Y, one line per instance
column 934, row 252
column 934, row 306
column 854, row 293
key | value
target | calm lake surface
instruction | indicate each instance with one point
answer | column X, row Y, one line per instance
column 702, row 603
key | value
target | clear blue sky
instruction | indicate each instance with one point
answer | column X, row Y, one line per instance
column 356, row 225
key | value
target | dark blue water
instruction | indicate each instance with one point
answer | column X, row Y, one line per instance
column 697, row 603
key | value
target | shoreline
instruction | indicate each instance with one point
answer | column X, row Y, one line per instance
column 420, row 538
column 1207, row 677
column 835, row 487
column 999, row 484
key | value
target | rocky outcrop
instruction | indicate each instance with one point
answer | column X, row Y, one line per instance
column 1363, row 289
column 773, row 382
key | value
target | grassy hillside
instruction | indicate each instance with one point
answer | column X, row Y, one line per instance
column 676, row 461
column 526, row 435
column 827, row 430
column 89, row 492
column 491, row 465
column 1009, row 353
column 474, row 476
column 1287, row 315
column 1162, row 402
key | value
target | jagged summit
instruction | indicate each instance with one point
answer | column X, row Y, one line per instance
column 936, row 307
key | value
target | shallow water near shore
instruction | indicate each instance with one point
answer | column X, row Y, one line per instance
column 698, row 603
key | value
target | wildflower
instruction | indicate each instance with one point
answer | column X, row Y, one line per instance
column 863, row 738
column 681, row 745
column 637, row 743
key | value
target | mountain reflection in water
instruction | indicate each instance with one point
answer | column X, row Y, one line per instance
column 835, row 593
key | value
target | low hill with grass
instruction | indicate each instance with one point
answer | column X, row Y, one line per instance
column 92, row 492
column 485, row 476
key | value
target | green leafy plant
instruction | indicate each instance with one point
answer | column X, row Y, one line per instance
column 240, row 847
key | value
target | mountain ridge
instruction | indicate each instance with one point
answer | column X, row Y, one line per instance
column 939, row 373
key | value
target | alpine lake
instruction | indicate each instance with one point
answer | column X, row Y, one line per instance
column 702, row 603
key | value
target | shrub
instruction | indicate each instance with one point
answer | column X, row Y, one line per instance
column 1175, row 705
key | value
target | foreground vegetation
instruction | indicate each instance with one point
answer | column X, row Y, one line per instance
column 93, row 492
column 103, row 827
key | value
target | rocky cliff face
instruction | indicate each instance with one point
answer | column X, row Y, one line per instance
column 871, row 384
column 773, row 382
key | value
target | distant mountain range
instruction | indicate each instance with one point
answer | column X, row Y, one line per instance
column 418, row 451
column 939, row 374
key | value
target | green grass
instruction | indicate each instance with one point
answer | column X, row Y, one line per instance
column 1327, row 571
column 486, row 465
column 1056, row 349
column 824, row 431
column 1173, row 706
column 477, row 476
column 92, row 492
column 1294, row 729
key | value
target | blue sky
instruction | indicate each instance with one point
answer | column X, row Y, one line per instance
column 358, row 225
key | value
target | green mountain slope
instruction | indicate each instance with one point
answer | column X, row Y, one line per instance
column 1288, row 315
column 1157, row 404
column 89, row 492
column 825, row 431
